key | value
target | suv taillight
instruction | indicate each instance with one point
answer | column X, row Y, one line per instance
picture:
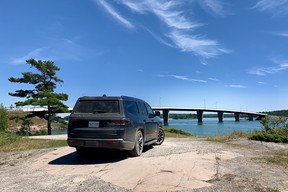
column 120, row 122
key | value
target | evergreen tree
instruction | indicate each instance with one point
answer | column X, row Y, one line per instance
column 42, row 94
column 3, row 118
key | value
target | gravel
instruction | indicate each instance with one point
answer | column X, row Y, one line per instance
column 246, row 172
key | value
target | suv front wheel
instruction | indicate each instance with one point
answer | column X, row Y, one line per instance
column 161, row 136
column 139, row 144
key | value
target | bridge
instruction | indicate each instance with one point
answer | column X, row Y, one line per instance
column 200, row 111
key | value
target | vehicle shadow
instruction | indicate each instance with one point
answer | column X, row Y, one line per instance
column 95, row 156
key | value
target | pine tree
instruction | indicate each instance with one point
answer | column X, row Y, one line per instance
column 42, row 94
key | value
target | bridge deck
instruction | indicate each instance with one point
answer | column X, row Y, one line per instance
column 200, row 111
column 206, row 110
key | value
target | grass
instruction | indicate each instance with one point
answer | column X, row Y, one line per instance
column 232, row 136
column 11, row 142
column 279, row 158
column 172, row 132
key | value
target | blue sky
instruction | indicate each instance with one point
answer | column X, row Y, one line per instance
column 188, row 53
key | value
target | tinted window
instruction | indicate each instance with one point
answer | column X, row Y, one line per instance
column 101, row 106
column 131, row 107
column 149, row 109
column 143, row 109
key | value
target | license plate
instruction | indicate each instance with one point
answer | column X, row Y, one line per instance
column 93, row 124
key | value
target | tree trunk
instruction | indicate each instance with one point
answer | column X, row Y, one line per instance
column 49, row 121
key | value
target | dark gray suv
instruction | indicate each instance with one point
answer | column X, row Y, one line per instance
column 124, row 123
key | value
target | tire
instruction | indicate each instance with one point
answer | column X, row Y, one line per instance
column 161, row 136
column 139, row 144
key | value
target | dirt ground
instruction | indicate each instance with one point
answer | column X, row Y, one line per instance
column 177, row 165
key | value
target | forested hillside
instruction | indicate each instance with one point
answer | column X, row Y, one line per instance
column 278, row 113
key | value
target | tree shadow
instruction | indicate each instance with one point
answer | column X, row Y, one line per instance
column 95, row 156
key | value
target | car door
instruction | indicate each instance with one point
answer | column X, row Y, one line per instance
column 149, row 120
column 153, row 122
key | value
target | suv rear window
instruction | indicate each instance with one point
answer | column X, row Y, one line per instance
column 97, row 106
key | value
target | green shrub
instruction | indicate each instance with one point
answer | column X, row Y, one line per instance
column 274, row 130
column 176, row 131
column 7, row 138
column 26, row 123
column 40, row 132
column 3, row 118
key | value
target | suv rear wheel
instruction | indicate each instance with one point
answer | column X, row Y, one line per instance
column 139, row 144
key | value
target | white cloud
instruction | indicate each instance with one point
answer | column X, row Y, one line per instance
column 114, row 13
column 35, row 54
column 282, row 34
column 140, row 70
column 182, row 77
column 64, row 49
column 180, row 26
column 213, row 79
column 214, row 6
column 185, row 78
column 236, row 86
column 158, row 38
column 198, row 45
column 276, row 7
column 263, row 71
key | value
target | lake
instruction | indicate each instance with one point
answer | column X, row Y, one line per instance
column 210, row 126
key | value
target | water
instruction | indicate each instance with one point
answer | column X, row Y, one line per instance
column 210, row 126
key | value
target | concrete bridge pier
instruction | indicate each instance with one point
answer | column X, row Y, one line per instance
column 200, row 116
column 166, row 116
column 237, row 116
column 250, row 117
column 220, row 116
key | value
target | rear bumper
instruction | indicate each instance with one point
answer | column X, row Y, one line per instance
column 101, row 143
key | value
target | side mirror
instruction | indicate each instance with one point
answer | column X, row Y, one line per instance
column 157, row 113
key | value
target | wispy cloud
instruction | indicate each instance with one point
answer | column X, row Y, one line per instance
column 213, row 79
column 276, row 7
column 158, row 38
column 36, row 54
column 114, row 13
column 198, row 45
column 180, row 27
column 65, row 49
column 140, row 70
column 214, row 6
column 263, row 71
column 236, row 86
column 281, row 34
column 183, row 78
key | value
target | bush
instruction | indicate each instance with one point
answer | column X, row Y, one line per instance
column 40, row 132
column 26, row 123
column 7, row 138
column 274, row 130
column 176, row 131
column 3, row 118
